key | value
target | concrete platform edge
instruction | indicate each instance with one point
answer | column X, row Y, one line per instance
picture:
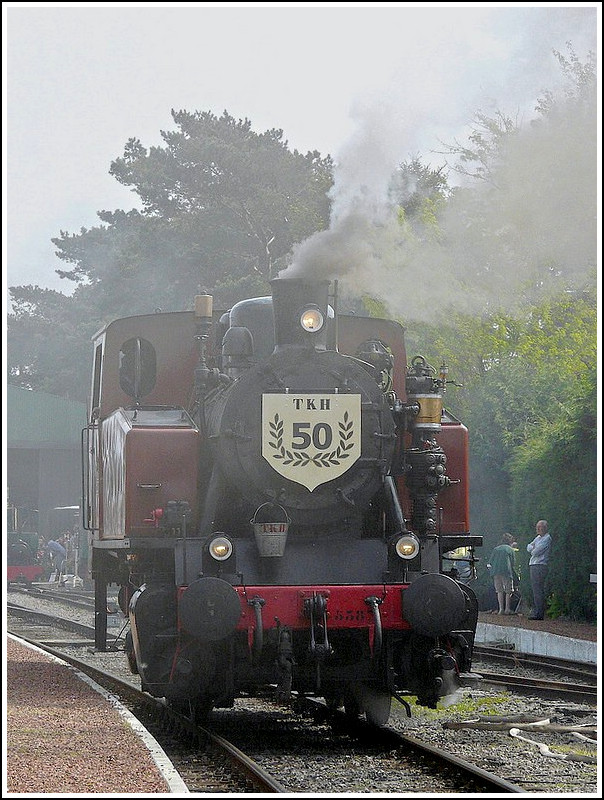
column 174, row 782
column 539, row 643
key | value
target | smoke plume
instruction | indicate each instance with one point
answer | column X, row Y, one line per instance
column 534, row 213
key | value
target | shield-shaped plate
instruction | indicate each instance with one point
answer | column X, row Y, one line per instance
column 311, row 438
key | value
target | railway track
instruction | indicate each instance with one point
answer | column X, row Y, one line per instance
column 468, row 774
column 207, row 761
column 586, row 673
column 571, row 692
column 37, row 628
column 222, row 720
column 582, row 691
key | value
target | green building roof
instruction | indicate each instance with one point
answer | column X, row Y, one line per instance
column 38, row 419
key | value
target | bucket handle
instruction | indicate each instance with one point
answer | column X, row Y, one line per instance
column 275, row 505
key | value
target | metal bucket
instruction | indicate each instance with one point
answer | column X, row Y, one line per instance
column 271, row 534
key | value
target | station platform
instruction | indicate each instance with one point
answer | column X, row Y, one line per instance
column 574, row 641
column 65, row 734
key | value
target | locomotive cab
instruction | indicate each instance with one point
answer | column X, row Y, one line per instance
column 265, row 485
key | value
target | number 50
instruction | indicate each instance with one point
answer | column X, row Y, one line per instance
column 321, row 435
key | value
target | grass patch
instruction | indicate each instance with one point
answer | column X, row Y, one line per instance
column 465, row 705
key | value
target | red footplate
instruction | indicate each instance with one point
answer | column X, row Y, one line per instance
column 25, row 573
column 347, row 606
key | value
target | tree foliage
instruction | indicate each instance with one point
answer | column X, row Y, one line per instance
column 555, row 469
column 221, row 205
column 527, row 211
column 221, row 208
column 49, row 342
column 528, row 373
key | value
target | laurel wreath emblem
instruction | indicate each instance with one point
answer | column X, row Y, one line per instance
column 319, row 459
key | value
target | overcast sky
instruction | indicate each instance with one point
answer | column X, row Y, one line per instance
column 82, row 78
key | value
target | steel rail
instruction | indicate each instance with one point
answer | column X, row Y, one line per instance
column 576, row 692
column 564, row 666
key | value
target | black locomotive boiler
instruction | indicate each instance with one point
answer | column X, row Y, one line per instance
column 273, row 488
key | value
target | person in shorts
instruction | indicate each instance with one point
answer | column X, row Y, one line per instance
column 502, row 568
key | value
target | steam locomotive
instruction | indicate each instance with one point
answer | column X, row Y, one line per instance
column 22, row 543
column 273, row 489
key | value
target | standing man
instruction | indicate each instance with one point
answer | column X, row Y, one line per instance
column 539, row 549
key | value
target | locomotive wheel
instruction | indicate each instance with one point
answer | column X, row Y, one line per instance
column 196, row 710
column 130, row 655
column 180, row 706
column 201, row 711
column 377, row 707
column 374, row 702
column 352, row 709
column 333, row 701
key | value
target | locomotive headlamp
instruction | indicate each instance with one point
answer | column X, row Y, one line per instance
column 311, row 319
column 407, row 546
column 220, row 548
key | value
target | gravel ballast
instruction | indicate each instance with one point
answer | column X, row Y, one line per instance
column 514, row 759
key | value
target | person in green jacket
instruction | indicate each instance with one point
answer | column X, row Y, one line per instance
column 502, row 568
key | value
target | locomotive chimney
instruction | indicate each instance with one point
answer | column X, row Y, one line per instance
column 301, row 313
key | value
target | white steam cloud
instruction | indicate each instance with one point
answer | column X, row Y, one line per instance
column 539, row 210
